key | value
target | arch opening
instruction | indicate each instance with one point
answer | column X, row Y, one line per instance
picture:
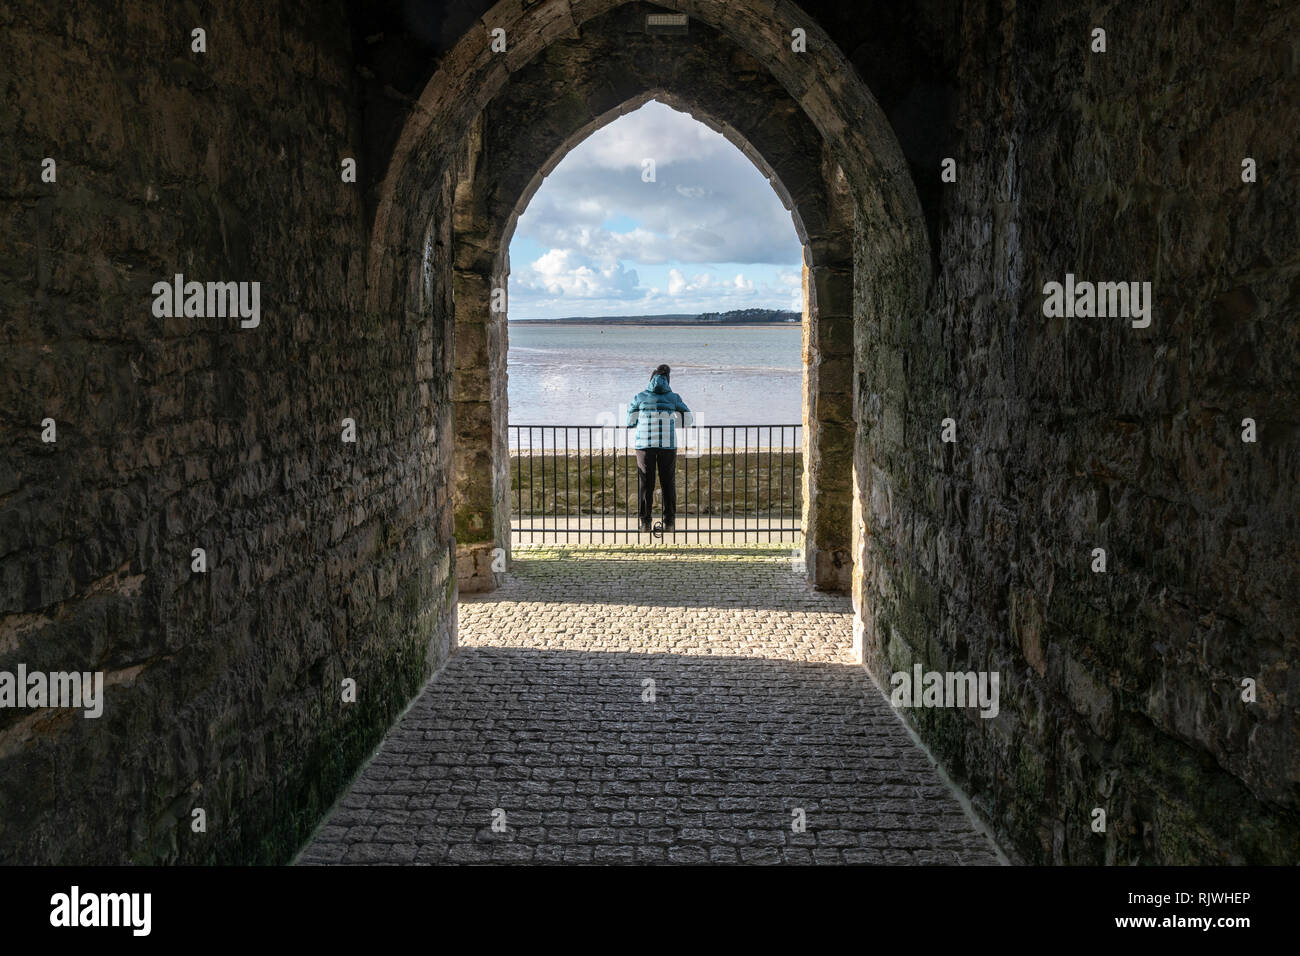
column 806, row 119
column 701, row 232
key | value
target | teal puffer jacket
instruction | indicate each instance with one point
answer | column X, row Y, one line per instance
column 654, row 413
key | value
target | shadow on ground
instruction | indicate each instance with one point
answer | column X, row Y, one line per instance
column 583, row 757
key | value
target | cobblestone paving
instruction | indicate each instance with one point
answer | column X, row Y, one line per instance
column 542, row 721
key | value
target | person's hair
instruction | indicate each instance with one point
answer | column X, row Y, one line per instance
column 663, row 370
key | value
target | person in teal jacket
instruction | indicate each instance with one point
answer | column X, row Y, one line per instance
column 653, row 413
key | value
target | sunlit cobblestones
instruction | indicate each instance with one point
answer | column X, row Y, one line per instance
column 615, row 706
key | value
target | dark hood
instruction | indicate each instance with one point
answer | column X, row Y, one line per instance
column 659, row 385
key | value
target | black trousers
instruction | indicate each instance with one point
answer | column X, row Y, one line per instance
column 647, row 461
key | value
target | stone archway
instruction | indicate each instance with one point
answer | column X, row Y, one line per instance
column 555, row 103
column 861, row 160
column 824, row 84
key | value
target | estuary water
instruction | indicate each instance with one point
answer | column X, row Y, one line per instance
column 587, row 374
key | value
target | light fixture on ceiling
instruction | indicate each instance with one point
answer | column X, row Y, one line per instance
column 666, row 24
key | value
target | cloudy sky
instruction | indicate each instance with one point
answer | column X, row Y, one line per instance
column 708, row 235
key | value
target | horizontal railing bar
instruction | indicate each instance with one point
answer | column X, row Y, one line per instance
column 682, row 526
column 686, row 428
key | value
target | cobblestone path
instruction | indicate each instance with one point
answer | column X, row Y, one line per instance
column 546, row 722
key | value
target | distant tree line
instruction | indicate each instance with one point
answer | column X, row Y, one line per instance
column 735, row 317
column 749, row 315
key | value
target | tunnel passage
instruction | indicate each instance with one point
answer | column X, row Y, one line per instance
column 1122, row 690
column 552, row 104
column 948, row 574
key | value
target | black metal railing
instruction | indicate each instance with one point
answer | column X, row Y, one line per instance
column 578, row 483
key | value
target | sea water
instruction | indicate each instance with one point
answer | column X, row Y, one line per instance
column 584, row 374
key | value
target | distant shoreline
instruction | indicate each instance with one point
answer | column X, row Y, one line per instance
column 739, row 318
column 642, row 324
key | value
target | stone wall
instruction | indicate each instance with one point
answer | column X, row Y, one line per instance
column 326, row 560
column 1119, row 690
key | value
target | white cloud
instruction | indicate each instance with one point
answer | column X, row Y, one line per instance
column 659, row 133
column 700, row 282
column 708, row 202
column 565, row 273
column 709, row 206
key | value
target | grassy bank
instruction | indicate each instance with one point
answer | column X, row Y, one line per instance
column 706, row 485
